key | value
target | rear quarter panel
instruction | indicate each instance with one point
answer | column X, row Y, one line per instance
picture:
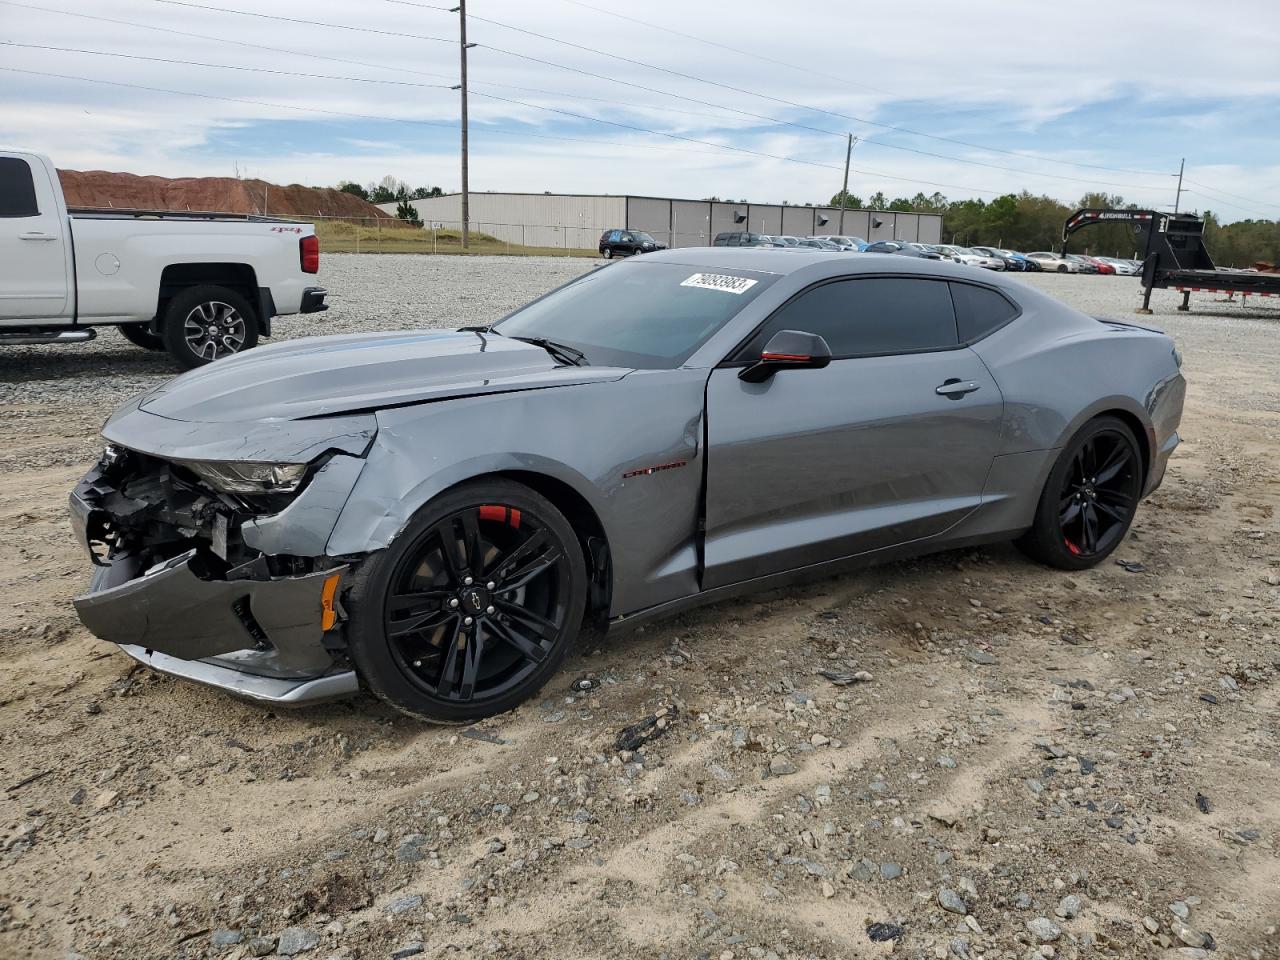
column 1059, row 368
column 119, row 262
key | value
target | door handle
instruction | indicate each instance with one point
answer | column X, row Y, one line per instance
column 955, row 389
column 36, row 236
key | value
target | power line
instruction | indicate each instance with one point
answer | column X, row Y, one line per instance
column 1236, row 195
column 808, row 71
column 432, row 123
column 769, row 119
column 333, row 59
column 225, row 66
column 764, row 96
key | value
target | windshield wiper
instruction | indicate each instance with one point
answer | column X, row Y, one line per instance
column 562, row 352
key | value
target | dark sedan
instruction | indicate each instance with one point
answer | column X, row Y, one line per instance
column 627, row 243
column 903, row 249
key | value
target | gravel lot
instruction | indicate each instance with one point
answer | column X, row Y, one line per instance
column 1039, row 765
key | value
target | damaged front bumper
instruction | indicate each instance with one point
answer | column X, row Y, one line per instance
column 178, row 587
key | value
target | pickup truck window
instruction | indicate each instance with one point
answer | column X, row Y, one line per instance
column 17, row 190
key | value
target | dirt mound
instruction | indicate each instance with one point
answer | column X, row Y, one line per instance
column 99, row 188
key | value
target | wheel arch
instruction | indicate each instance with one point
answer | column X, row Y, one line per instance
column 240, row 277
column 373, row 520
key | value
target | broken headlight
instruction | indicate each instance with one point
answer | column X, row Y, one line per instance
column 248, row 478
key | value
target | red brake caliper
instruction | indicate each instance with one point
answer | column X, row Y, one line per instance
column 507, row 515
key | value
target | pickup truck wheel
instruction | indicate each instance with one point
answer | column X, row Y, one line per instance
column 141, row 336
column 206, row 323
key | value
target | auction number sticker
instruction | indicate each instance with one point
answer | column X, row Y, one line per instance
column 719, row 281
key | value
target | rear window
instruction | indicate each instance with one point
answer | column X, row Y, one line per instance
column 979, row 311
column 17, row 190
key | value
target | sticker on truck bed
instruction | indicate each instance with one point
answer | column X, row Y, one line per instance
column 719, row 281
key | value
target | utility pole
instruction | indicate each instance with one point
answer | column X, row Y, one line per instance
column 461, row 10
column 1178, row 197
column 844, row 190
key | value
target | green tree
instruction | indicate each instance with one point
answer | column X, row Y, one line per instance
column 407, row 212
column 845, row 199
column 353, row 188
column 422, row 193
column 878, row 201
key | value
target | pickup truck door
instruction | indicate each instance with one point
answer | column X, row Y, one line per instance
column 33, row 253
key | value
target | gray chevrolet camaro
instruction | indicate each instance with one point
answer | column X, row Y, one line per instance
column 434, row 515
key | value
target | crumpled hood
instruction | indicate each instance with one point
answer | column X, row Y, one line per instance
column 328, row 376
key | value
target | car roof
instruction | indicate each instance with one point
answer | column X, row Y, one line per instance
column 787, row 261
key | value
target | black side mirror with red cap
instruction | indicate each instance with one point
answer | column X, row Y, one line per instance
column 788, row 350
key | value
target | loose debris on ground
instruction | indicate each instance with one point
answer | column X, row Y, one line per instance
column 960, row 756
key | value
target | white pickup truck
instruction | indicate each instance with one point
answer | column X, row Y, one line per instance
column 199, row 285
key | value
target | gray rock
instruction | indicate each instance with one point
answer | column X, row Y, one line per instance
column 973, row 655
column 225, row 938
column 409, row 853
column 890, row 871
column 959, row 947
column 782, row 767
column 950, row 901
column 1044, row 929
column 863, row 870
column 261, row 946
column 1180, row 910
column 405, row 904
column 1188, row 935
column 1069, row 907
column 408, row 950
column 295, row 940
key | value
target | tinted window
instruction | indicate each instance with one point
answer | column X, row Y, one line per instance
column 979, row 311
column 17, row 191
column 872, row 316
column 635, row 314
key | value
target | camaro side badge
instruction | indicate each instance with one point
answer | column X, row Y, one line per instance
column 648, row 471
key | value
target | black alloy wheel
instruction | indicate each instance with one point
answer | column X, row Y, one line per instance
column 476, row 605
column 1090, row 498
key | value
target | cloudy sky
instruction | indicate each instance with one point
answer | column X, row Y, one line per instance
column 966, row 97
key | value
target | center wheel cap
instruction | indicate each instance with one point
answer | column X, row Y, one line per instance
column 474, row 600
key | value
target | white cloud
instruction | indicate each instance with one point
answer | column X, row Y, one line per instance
column 1058, row 82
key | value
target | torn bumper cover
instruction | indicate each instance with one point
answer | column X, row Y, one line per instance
column 177, row 588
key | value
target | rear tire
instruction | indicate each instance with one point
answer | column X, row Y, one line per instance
column 140, row 335
column 608, row 253
column 206, row 323
column 1089, row 499
column 431, row 637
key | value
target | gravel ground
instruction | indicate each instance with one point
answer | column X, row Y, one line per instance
column 1031, row 765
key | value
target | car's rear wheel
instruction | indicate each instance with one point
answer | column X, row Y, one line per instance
column 140, row 335
column 608, row 253
column 207, row 323
column 472, row 608
column 1090, row 498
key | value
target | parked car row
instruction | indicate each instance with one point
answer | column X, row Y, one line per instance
column 615, row 243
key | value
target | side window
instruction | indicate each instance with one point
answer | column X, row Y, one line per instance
column 867, row 317
column 613, row 236
column 17, row 190
column 979, row 311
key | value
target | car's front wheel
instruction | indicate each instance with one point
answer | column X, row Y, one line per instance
column 1090, row 498
column 472, row 608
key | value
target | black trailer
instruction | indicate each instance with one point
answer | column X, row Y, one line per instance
column 1174, row 256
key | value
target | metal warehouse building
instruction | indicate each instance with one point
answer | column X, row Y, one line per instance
column 577, row 220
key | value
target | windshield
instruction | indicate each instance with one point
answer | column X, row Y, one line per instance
column 635, row 314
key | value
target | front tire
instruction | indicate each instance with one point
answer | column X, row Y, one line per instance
column 1089, row 499
column 472, row 608
column 1063, row 268
column 140, row 335
column 206, row 323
